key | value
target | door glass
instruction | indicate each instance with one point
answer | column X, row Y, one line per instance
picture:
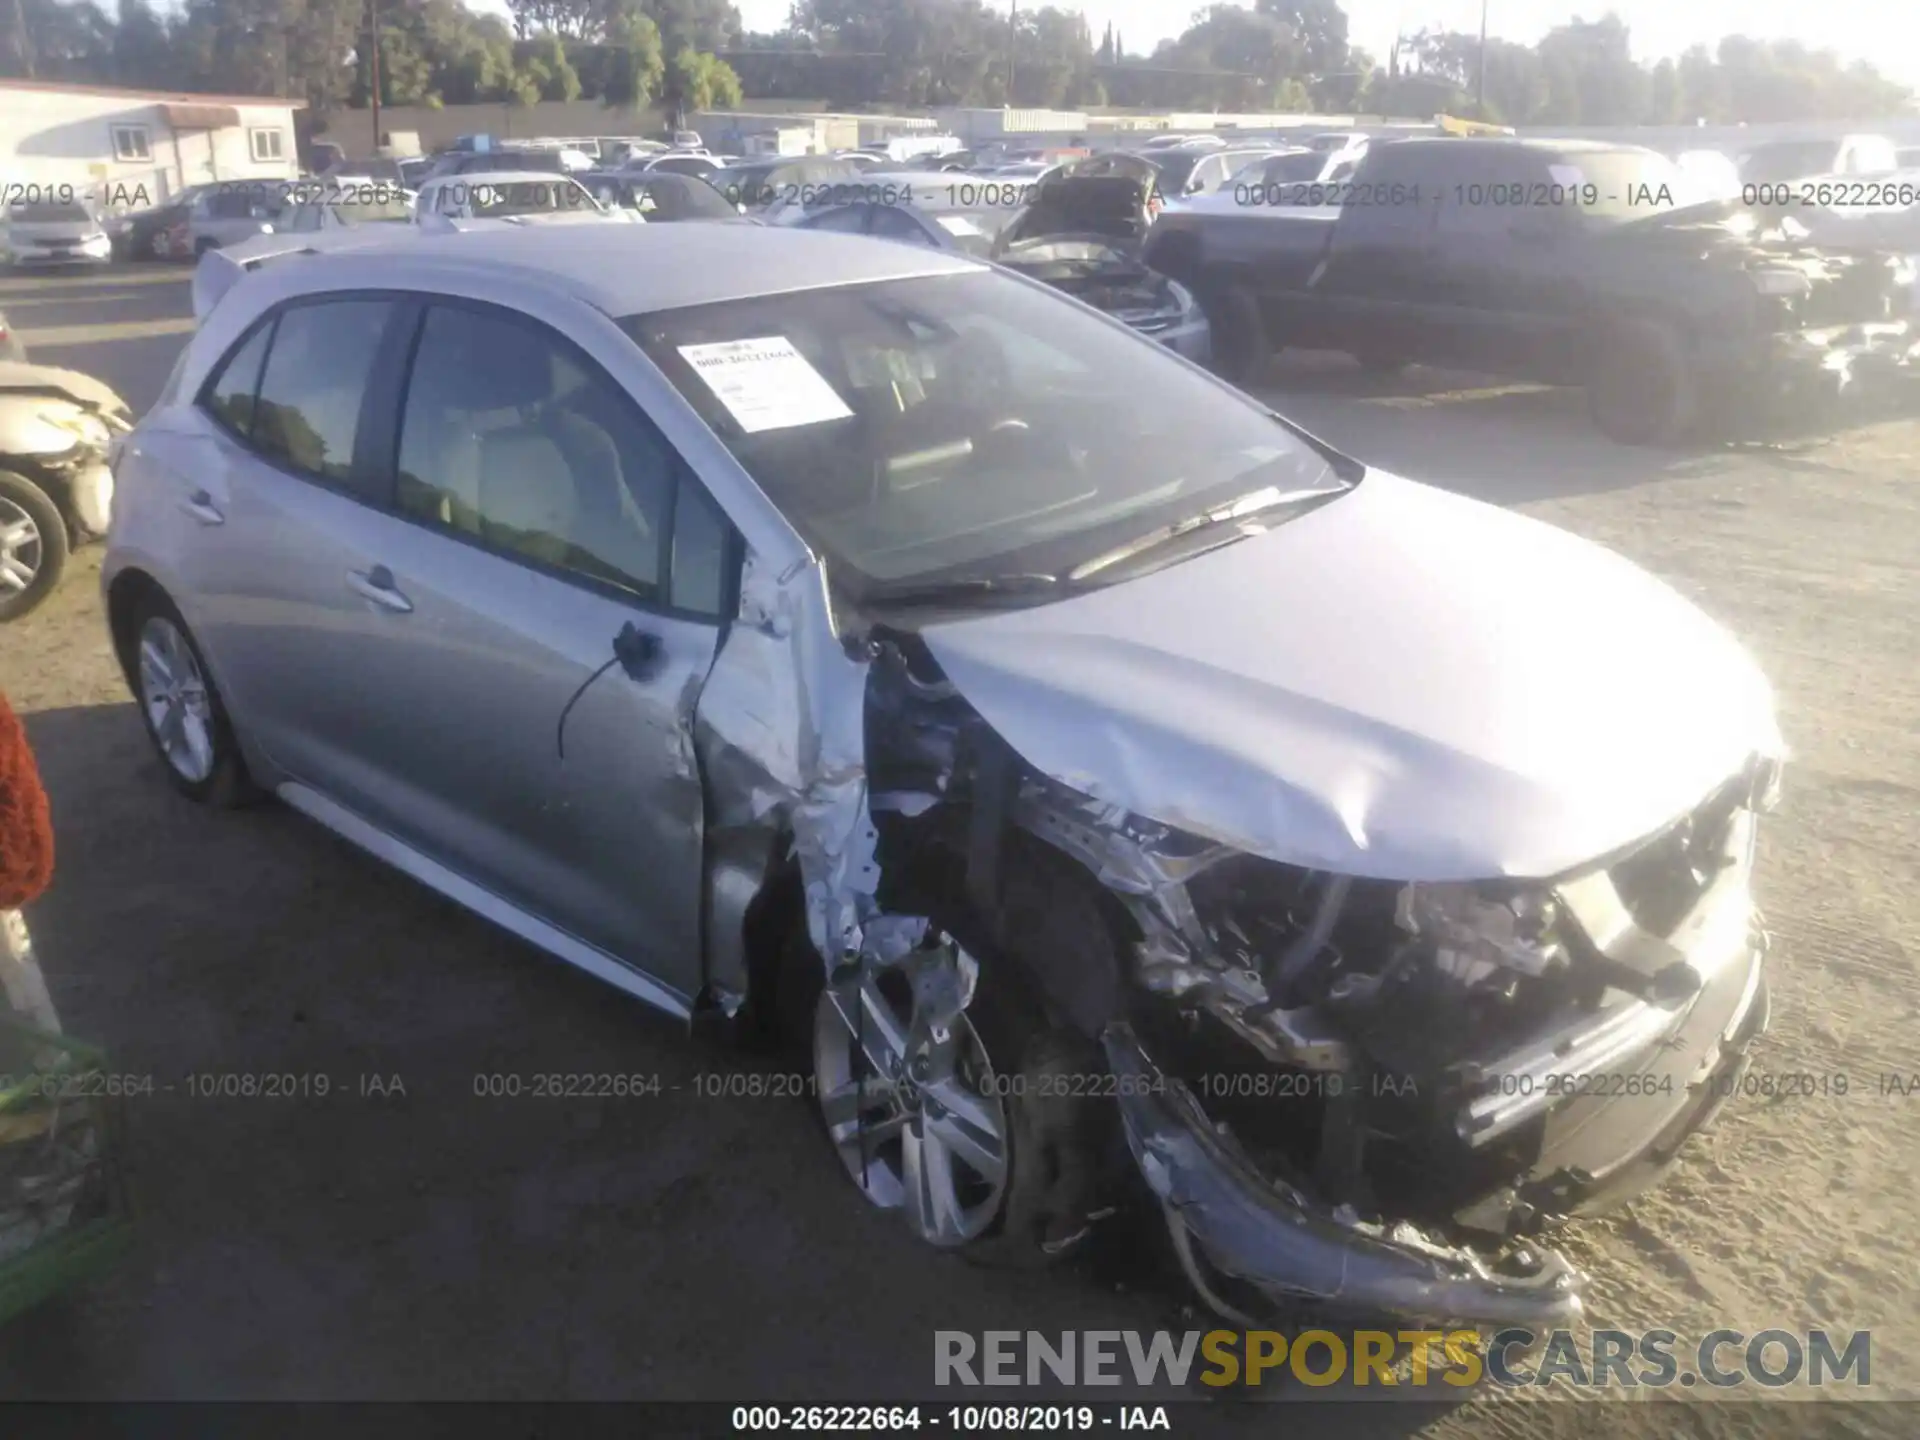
column 511, row 438
column 850, row 219
column 315, row 380
column 229, row 395
column 699, row 552
column 890, row 223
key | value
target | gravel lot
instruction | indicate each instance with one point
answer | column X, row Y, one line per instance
column 435, row 1245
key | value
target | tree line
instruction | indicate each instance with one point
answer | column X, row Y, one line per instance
column 1291, row 55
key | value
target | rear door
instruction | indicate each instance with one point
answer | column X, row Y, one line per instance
column 1373, row 292
column 285, row 506
column 1506, row 270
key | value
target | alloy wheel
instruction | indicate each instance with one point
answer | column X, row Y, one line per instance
column 21, row 549
column 910, row 1096
column 173, row 693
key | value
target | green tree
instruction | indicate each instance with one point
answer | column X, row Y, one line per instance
column 542, row 62
column 1321, row 26
column 636, row 67
column 696, row 81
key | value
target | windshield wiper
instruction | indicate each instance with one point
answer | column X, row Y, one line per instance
column 1245, row 507
column 966, row 588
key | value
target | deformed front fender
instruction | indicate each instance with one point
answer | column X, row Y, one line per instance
column 1264, row 1233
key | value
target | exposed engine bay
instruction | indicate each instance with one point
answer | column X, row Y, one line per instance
column 1350, row 1091
column 1104, row 275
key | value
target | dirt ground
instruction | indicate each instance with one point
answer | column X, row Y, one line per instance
column 436, row 1244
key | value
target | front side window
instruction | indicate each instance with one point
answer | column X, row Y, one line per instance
column 308, row 412
column 966, row 425
column 512, row 439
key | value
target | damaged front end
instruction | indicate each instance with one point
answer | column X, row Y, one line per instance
column 59, row 427
column 1351, row 1091
column 1372, row 1094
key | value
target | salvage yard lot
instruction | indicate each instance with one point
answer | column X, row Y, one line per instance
column 406, row 1237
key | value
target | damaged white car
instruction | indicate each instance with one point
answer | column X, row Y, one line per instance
column 1088, row 768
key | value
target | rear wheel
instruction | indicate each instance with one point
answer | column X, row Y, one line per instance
column 1643, row 390
column 33, row 545
column 182, row 711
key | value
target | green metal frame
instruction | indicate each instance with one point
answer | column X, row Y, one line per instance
column 84, row 1249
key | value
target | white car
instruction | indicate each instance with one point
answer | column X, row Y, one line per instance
column 510, row 197
column 861, row 644
column 53, row 232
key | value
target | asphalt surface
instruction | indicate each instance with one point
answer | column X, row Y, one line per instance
column 406, row 1237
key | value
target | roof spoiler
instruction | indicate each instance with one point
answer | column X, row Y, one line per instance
column 213, row 277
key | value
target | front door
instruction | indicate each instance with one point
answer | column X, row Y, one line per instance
column 546, row 620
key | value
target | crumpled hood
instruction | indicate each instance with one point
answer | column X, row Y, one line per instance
column 20, row 377
column 1402, row 684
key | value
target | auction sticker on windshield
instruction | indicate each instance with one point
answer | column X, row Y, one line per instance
column 766, row 384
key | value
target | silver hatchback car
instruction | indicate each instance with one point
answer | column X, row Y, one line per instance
column 881, row 651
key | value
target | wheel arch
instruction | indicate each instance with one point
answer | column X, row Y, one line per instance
column 126, row 592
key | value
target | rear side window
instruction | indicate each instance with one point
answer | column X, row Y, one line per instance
column 308, row 411
column 229, row 396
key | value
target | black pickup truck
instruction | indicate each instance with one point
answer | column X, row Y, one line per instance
column 1563, row 262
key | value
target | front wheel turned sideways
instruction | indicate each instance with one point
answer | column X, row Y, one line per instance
column 940, row 1110
column 181, row 709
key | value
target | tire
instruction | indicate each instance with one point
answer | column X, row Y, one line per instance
column 203, row 245
column 1237, row 335
column 34, row 545
column 1644, row 390
column 1056, row 1137
column 190, row 732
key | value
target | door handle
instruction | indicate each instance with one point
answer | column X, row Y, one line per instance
column 201, row 507
column 377, row 585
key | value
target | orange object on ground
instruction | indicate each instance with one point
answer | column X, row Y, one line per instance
column 26, row 827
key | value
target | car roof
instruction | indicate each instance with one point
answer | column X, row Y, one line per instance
column 497, row 177
column 634, row 269
column 1544, row 144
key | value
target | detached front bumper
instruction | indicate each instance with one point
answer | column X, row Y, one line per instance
column 1587, row 1149
column 1278, row 1240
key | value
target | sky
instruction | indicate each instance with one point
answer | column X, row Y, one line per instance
column 1887, row 32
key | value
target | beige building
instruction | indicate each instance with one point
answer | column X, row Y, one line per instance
column 131, row 148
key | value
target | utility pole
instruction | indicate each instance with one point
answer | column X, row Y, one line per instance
column 1480, row 70
column 373, row 25
column 1013, row 35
